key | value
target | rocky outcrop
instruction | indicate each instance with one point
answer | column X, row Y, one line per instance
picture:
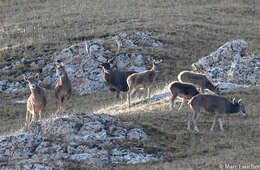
column 70, row 139
column 82, row 68
column 231, row 66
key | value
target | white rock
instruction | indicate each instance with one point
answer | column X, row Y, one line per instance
column 21, row 101
column 126, row 156
column 82, row 69
column 136, row 134
column 81, row 138
column 229, row 65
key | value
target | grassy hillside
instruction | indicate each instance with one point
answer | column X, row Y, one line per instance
column 189, row 30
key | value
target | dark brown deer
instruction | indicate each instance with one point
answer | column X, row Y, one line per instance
column 115, row 80
column 185, row 91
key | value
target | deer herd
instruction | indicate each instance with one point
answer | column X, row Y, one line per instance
column 190, row 88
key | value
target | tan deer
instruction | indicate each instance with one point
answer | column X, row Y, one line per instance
column 142, row 80
column 199, row 80
column 215, row 106
column 36, row 101
column 63, row 88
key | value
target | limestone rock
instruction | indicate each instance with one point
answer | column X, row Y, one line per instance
column 90, row 139
column 82, row 69
column 136, row 134
column 230, row 64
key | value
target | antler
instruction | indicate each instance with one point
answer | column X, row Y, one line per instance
column 118, row 43
column 88, row 50
column 25, row 78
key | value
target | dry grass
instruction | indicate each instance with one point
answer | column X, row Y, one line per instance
column 189, row 29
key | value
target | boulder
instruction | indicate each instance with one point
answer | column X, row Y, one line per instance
column 82, row 69
column 231, row 66
column 85, row 139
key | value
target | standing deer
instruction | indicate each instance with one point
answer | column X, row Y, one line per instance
column 115, row 80
column 36, row 101
column 63, row 88
column 215, row 106
column 197, row 79
column 142, row 80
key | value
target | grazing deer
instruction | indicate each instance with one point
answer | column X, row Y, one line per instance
column 197, row 79
column 63, row 88
column 142, row 80
column 215, row 106
column 185, row 91
column 36, row 101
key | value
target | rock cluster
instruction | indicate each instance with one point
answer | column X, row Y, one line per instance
column 231, row 66
column 82, row 69
column 69, row 139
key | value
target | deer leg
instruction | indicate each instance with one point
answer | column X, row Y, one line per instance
column 117, row 93
column 172, row 99
column 62, row 106
column 148, row 91
column 128, row 98
column 189, row 118
column 196, row 118
column 220, row 124
column 33, row 112
column 27, row 117
column 183, row 100
column 40, row 114
column 132, row 92
column 57, row 105
column 214, row 122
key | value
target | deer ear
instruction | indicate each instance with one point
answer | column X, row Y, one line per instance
column 25, row 78
column 239, row 101
column 62, row 64
column 234, row 99
column 57, row 64
column 37, row 76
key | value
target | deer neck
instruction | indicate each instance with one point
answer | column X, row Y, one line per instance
column 64, row 78
column 37, row 92
column 154, row 68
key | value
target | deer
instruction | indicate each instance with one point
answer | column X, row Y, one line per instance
column 115, row 80
column 185, row 91
column 199, row 80
column 63, row 88
column 142, row 80
column 36, row 101
column 215, row 106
